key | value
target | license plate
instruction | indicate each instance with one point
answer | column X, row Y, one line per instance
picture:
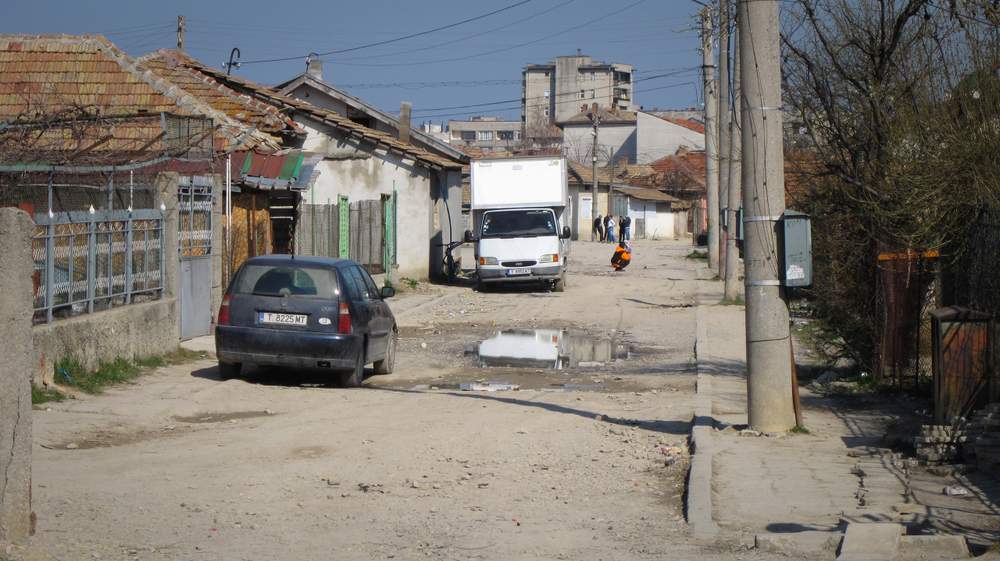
column 519, row 271
column 282, row 319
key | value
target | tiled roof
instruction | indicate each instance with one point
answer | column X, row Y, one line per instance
column 683, row 170
column 290, row 105
column 74, row 79
column 174, row 66
column 689, row 124
column 583, row 173
column 646, row 194
column 608, row 116
column 41, row 74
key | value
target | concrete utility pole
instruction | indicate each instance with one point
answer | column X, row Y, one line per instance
column 595, row 119
column 732, row 285
column 769, row 364
column 725, row 141
column 180, row 33
column 711, row 145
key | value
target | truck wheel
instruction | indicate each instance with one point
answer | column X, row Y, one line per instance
column 228, row 370
column 559, row 285
column 356, row 376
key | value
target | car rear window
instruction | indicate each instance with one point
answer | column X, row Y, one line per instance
column 287, row 280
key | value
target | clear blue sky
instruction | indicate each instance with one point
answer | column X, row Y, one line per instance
column 657, row 36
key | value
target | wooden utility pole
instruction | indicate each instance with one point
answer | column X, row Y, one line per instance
column 725, row 141
column 732, row 284
column 711, row 146
column 180, row 33
column 769, row 380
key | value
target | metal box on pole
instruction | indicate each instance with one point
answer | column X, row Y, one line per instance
column 796, row 249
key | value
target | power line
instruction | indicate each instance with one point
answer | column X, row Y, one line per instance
column 397, row 39
column 472, row 35
column 505, row 49
column 563, row 94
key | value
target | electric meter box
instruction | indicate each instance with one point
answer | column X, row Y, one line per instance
column 796, row 246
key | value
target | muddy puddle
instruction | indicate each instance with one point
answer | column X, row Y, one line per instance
column 220, row 417
column 551, row 349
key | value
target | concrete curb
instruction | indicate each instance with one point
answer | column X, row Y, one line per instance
column 699, row 483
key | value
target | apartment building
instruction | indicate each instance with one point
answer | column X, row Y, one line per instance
column 552, row 93
column 486, row 133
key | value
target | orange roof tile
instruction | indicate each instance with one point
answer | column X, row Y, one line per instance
column 285, row 103
column 68, row 79
column 177, row 68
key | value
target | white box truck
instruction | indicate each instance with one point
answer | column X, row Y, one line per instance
column 520, row 220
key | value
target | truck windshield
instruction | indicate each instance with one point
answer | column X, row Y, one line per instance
column 519, row 224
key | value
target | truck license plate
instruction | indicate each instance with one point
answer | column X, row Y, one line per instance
column 282, row 319
column 518, row 271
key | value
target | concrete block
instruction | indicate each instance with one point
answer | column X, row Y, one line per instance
column 15, row 375
column 808, row 542
column 871, row 542
column 932, row 548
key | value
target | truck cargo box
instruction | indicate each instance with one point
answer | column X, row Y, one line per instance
column 519, row 183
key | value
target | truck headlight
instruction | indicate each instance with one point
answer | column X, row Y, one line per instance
column 487, row 260
column 549, row 258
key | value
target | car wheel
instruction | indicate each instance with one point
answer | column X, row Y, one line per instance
column 229, row 370
column 356, row 376
column 386, row 365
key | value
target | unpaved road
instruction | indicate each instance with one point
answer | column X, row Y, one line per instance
column 583, row 463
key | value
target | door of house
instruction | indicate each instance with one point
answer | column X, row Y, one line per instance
column 194, row 231
column 585, row 223
column 195, row 296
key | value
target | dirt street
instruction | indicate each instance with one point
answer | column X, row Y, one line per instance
column 584, row 462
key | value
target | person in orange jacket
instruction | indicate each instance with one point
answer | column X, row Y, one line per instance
column 622, row 256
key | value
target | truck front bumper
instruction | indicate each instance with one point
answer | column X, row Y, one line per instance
column 538, row 273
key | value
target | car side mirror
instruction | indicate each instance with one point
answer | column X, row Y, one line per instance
column 388, row 292
column 566, row 233
column 469, row 238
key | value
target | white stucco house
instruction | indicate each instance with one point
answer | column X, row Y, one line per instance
column 361, row 159
column 629, row 137
column 656, row 137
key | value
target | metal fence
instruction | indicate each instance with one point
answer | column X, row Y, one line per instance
column 88, row 261
column 194, row 209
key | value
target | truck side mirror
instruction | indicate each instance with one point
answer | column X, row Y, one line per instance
column 469, row 238
column 566, row 233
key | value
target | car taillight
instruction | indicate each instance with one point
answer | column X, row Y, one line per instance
column 223, row 318
column 344, row 319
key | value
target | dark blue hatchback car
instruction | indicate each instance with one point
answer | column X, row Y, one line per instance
column 306, row 312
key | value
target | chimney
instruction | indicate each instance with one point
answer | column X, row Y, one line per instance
column 404, row 121
column 314, row 66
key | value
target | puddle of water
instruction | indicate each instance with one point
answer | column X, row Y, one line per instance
column 548, row 348
column 220, row 417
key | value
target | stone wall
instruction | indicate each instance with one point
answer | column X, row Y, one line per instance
column 15, row 375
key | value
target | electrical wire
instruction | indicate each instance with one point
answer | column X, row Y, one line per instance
column 504, row 49
column 394, row 40
column 563, row 94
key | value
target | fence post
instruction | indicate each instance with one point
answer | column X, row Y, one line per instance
column 128, row 258
column 344, row 227
column 91, row 261
column 50, row 268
